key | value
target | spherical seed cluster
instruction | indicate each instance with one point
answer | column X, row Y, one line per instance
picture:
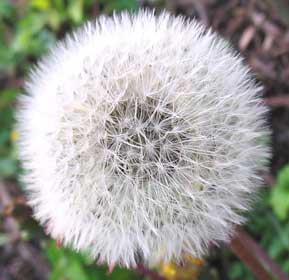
column 141, row 137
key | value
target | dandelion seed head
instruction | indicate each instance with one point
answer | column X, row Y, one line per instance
column 141, row 137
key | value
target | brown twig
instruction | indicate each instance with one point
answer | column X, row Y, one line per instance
column 255, row 257
column 277, row 101
column 95, row 8
column 9, row 197
column 10, row 223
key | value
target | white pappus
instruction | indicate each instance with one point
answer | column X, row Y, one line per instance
column 141, row 138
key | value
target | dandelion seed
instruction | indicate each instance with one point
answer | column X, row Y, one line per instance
column 141, row 139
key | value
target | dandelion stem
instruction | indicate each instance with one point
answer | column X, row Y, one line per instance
column 255, row 257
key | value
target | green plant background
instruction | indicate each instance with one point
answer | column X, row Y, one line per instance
column 27, row 30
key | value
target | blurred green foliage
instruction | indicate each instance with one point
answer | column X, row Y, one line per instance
column 280, row 194
column 27, row 30
column 8, row 157
column 68, row 264
column 118, row 5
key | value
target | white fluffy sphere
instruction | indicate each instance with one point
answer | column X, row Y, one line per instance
column 141, row 137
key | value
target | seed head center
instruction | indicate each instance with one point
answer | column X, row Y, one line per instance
column 142, row 139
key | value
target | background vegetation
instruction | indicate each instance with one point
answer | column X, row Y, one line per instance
column 27, row 30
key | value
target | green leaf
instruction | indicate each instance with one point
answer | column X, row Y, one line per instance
column 66, row 264
column 276, row 248
column 8, row 167
column 236, row 270
column 70, row 265
column 280, row 203
column 75, row 11
column 32, row 37
column 119, row 5
column 283, row 178
column 43, row 5
column 7, row 96
column 6, row 9
column 280, row 194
